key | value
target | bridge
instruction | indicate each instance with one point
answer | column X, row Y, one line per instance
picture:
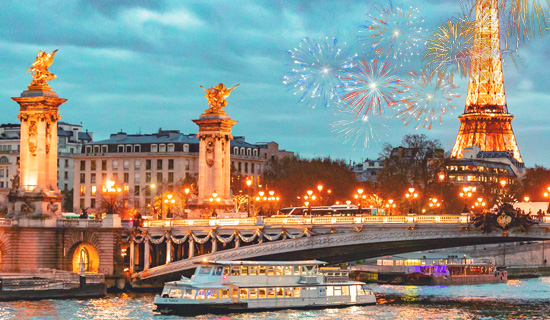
column 163, row 250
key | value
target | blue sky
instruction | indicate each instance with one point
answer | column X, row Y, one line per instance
column 138, row 65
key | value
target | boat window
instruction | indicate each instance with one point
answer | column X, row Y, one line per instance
column 253, row 293
column 296, row 270
column 360, row 291
column 297, row 292
column 288, row 292
column 280, row 293
column 244, row 293
column 234, row 292
column 271, row 292
column 219, row 271
column 224, row 293
column 211, row 294
column 175, row 293
column 235, row 271
column 205, row 270
column 330, row 291
column 226, row 271
column 345, row 291
column 261, row 293
column 288, row 271
column 254, row 271
column 337, row 291
column 244, row 271
column 189, row 294
column 280, row 270
column 262, row 270
column 200, row 294
column 270, row 271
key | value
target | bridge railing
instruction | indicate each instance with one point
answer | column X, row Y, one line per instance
column 326, row 220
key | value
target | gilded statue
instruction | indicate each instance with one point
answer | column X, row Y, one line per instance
column 216, row 96
column 39, row 68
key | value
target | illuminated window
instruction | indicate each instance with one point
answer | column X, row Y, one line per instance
column 262, row 293
column 244, row 293
column 94, row 188
column 224, row 294
column 84, row 258
column 253, row 293
column 297, row 292
column 82, row 190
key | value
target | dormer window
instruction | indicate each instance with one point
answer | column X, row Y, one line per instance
column 128, row 148
column 236, row 150
column 249, row 152
column 96, row 149
column 88, row 149
column 120, row 148
column 242, row 151
column 154, row 148
column 137, row 148
column 162, row 148
column 255, row 152
column 185, row 148
column 171, row 147
column 104, row 149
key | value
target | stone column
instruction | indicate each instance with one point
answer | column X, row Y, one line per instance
column 146, row 253
column 191, row 247
column 168, row 250
column 132, row 256
column 214, row 244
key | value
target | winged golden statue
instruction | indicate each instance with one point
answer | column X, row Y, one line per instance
column 39, row 68
column 216, row 96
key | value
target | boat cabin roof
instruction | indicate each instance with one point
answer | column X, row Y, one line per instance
column 261, row 263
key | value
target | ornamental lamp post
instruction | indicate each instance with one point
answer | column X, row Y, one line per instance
column 411, row 195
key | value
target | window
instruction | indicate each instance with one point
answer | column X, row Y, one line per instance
column 185, row 148
column 94, row 188
column 128, row 148
column 126, row 177
column 136, row 177
column 103, row 177
column 297, row 292
column 330, row 291
column 148, row 177
column 92, row 178
column 288, row 270
column 137, row 164
column 224, row 293
column 88, row 149
column 252, row 168
column 288, row 292
column 115, row 164
column 137, row 148
column 162, row 148
column 159, row 177
column 154, row 148
column 126, row 164
column 249, row 152
column 171, row 147
column 280, row 293
column 170, row 177
column 66, row 175
column 175, row 293
column 189, row 294
column 271, row 292
column 170, row 164
column 147, row 164
column 270, row 271
column 280, row 270
column 212, row 294
column 82, row 190
column 120, row 148
column 255, row 152
column 262, row 270
column 262, row 293
column 159, row 164
column 82, row 203
column 82, row 165
column 236, row 150
column 186, row 164
column 337, row 291
column 244, row 293
column 136, row 190
column 104, row 149
column 200, row 294
column 104, row 165
column 66, row 163
column 246, row 167
column 126, row 190
column 244, row 271
column 92, row 203
column 96, row 149
column 253, row 293
column 82, row 178
column 242, row 151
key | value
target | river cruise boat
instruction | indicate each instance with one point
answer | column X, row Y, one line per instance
column 245, row 286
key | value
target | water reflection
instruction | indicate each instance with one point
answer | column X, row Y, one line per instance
column 529, row 299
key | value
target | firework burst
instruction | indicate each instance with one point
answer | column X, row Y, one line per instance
column 316, row 68
column 359, row 130
column 427, row 98
column 448, row 50
column 393, row 32
column 370, row 88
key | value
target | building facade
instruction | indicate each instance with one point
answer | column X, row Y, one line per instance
column 368, row 170
column 136, row 161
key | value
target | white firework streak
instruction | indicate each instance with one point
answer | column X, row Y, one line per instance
column 360, row 129
column 316, row 68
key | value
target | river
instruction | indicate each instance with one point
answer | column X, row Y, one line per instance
column 517, row 299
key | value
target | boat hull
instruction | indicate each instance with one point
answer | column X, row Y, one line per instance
column 218, row 308
column 92, row 290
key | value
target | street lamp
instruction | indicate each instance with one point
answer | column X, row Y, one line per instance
column 248, row 184
column 411, row 195
column 526, row 198
column 441, row 179
column 390, row 205
column 466, row 193
column 169, row 202
column 112, row 191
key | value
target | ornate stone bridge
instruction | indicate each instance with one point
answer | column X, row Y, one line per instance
column 165, row 250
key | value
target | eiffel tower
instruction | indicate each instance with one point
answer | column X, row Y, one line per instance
column 486, row 121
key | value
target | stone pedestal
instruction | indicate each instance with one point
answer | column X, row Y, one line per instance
column 34, row 188
column 214, row 165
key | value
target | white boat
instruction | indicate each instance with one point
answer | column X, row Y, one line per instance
column 244, row 286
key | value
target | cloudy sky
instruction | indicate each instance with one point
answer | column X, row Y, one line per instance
column 137, row 66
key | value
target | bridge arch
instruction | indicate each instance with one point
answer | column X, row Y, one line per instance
column 3, row 251
column 84, row 255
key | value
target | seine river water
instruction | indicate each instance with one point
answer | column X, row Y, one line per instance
column 517, row 299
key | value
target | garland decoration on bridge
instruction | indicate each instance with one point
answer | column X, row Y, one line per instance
column 251, row 238
column 180, row 239
column 139, row 239
column 152, row 239
column 201, row 240
column 226, row 240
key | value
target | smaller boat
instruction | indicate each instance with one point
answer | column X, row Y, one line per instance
column 245, row 286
